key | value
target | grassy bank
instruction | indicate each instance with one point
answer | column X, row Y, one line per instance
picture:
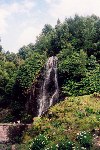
column 66, row 120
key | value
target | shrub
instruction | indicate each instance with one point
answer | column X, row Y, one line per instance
column 85, row 139
column 26, row 118
column 68, row 145
column 39, row 142
column 87, row 85
column 53, row 147
column 80, row 114
column 63, row 145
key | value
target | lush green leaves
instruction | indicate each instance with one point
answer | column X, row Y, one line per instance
column 30, row 69
column 76, row 42
column 87, row 85
column 72, row 63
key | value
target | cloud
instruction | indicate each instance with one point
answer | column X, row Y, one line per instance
column 22, row 7
column 28, row 35
column 8, row 10
column 23, row 20
column 49, row 1
column 3, row 15
column 15, row 19
column 66, row 8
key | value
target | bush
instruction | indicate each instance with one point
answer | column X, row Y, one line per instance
column 64, row 145
column 53, row 147
column 87, row 85
column 39, row 142
column 26, row 118
column 85, row 139
column 68, row 145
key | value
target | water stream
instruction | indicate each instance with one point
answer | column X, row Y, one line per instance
column 49, row 89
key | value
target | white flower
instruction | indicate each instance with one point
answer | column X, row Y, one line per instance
column 57, row 145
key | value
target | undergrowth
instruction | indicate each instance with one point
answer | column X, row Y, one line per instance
column 70, row 121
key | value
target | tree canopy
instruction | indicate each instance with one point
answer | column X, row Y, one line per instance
column 76, row 43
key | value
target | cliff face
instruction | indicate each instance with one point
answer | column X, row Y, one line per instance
column 44, row 92
column 33, row 94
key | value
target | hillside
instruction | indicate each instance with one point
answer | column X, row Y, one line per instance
column 76, row 44
column 30, row 80
column 63, row 124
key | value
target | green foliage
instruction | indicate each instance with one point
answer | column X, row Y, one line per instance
column 52, row 147
column 91, row 63
column 67, row 145
column 12, row 57
column 85, row 139
column 89, row 110
column 80, row 114
column 5, row 115
column 39, row 143
column 30, row 69
column 5, row 146
column 26, row 51
column 84, row 33
column 76, row 43
column 7, row 79
column 65, row 122
column 47, row 29
column 87, row 85
column 72, row 63
column 64, row 145
column 26, row 76
column 26, row 118
column 0, row 48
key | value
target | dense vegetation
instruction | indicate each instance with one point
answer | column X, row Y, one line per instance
column 73, row 124
column 68, row 125
column 76, row 43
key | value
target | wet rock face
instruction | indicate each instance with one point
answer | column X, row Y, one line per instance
column 44, row 92
column 34, row 94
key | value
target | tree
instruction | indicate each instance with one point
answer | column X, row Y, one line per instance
column 76, row 26
column 0, row 46
column 26, row 51
column 47, row 29
column 71, row 63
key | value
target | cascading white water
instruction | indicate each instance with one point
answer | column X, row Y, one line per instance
column 46, row 98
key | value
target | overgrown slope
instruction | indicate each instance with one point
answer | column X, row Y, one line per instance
column 67, row 119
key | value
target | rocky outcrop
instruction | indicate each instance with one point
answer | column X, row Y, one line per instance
column 44, row 92
column 33, row 94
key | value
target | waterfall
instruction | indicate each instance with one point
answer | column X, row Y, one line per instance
column 49, row 90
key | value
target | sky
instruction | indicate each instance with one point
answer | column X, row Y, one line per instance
column 21, row 21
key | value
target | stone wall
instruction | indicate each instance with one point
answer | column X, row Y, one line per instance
column 4, row 133
column 11, row 132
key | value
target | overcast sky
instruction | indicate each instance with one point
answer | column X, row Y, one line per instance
column 22, row 20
